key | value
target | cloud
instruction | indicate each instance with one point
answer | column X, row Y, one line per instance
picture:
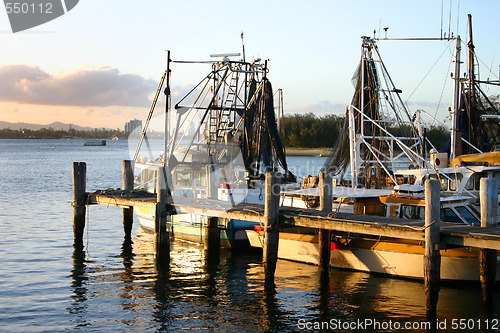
column 93, row 86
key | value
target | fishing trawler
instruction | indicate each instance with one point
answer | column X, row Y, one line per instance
column 471, row 151
column 368, row 146
column 379, row 131
column 223, row 140
column 384, row 255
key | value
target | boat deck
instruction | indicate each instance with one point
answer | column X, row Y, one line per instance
column 450, row 233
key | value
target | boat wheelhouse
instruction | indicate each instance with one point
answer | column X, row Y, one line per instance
column 220, row 139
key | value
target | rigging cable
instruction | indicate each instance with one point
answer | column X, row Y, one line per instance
column 427, row 74
column 484, row 64
column 442, row 90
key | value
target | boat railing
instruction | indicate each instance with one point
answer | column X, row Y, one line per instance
column 449, row 129
column 408, row 151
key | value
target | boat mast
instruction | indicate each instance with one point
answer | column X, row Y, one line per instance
column 167, row 106
column 472, row 75
column 243, row 47
column 355, row 154
column 245, row 92
column 456, row 101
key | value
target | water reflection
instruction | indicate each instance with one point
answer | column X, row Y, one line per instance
column 325, row 293
column 225, row 291
column 127, row 256
column 79, row 291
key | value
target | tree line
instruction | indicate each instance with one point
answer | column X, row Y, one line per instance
column 311, row 131
column 51, row 133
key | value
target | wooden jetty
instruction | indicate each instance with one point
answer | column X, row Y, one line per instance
column 432, row 232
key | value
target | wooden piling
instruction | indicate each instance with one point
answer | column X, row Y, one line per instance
column 325, row 204
column 271, row 220
column 212, row 232
column 432, row 257
column 128, row 185
column 212, row 235
column 488, row 197
column 162, row 237
column 79, row 184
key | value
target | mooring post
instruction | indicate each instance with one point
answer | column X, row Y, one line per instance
column 128, row 185
column 162, row 239
column 79, row 184
column 325, row 204
column 212, row 235
column 432, row 257
column 271, row 227
column 212, row 232
column 488, row 198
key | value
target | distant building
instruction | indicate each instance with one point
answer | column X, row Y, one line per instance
column 132, row 125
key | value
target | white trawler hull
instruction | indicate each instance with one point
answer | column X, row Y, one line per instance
column 391, row 257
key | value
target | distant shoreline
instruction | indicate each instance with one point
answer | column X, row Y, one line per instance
column 322, row 152
column 307, row 152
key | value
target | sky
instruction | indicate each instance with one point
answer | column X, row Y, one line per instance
column 99, row 64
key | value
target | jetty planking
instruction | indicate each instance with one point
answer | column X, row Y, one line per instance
column 450, row 233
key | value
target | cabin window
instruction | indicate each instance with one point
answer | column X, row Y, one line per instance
column 456, row 179
column 448, row 215
column 183, row 178
column 478, row 179
column 475, row 180
column 201, row 179
column 468, row 216
column 473, row 183
column 144, row 179
column 444, row 182
column 496, row 175
column 412, row 212
column 148, row 180
column 470, row 184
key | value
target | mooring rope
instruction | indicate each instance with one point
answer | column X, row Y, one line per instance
column 88, row 227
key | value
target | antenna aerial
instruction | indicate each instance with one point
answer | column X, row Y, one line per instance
column 243, row 46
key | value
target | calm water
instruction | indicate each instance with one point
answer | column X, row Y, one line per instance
column 46, row 285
